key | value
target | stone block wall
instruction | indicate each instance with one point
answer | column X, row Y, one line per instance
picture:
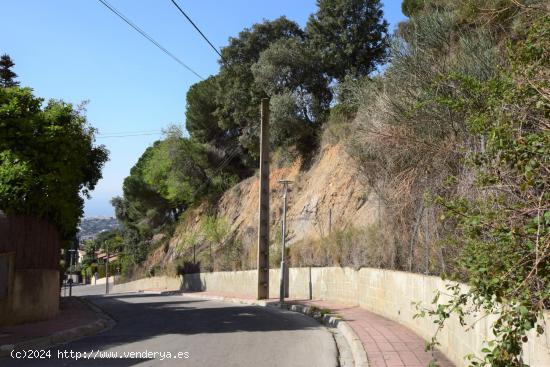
column 384, row 292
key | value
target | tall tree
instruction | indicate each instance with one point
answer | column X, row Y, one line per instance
column 200, row 119
column 289, row 66
column 239, row 98
column 350, row 35
column 7, row 76
column 291, row 75
column 175, row 170
column 48, row 159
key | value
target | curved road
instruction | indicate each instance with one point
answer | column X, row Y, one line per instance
column 212, row 333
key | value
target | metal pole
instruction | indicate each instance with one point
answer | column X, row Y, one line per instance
column 71, row 251
column 379, row 213
column 427, row 240
column 282, row 289
column 107, row 269
column 329, row 220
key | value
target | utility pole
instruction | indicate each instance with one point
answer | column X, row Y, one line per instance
column 263, row 220
column 70, row 280
column 107, row 268
column 71, row 251
column 282, row 289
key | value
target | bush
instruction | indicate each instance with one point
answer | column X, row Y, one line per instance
column 350, row 247
column 407, row 142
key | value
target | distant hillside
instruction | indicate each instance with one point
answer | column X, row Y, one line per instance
column 91, row 227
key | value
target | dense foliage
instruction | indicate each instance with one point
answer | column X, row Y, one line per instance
column 454, row 139
column 350, row 36
column 294, row 68
column 47, row 158
column 505, row 232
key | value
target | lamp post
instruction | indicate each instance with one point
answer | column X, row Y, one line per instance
column 282, row 277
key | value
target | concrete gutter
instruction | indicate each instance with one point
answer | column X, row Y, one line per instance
column 358, row 354
column 103, row 323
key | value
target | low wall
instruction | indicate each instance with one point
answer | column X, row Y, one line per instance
column 387, row 293
column 112, row 279
column 153, row 283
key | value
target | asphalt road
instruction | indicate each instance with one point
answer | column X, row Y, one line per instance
column 208, row 333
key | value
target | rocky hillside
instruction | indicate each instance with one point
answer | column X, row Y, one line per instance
column 327, row 196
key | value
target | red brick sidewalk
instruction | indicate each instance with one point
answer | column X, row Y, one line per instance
column 73, row 313
column 387, row 343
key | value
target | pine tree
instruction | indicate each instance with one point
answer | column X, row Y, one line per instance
column 351, row 36
column 7, row 76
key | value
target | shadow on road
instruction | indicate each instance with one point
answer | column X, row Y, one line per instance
column 145, row 319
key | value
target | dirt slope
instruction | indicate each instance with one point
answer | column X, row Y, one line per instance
column 330, row 191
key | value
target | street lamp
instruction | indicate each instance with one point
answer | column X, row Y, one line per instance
column 282, row 277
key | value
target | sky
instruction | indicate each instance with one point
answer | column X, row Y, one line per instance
column 77, row 50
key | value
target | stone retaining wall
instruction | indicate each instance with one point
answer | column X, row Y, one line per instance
column 387, row 293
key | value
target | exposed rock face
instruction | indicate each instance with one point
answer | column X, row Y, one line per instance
column 329, row 191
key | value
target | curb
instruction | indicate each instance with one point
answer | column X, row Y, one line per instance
column 104, row 323
column 357, row 350
column 160, row 293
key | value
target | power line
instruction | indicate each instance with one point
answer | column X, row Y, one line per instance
column 133, row 25
column 197, row 28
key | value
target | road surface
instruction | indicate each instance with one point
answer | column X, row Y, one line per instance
column 196, row 332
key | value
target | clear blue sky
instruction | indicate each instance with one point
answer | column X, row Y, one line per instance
column 78, row 50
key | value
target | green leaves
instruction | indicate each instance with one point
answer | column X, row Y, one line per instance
column 350, row 36
column 276, row 59
column 504, row 229
column 47, row 158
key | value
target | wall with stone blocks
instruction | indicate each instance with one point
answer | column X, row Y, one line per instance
column 387, row 293
column 154, row 283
